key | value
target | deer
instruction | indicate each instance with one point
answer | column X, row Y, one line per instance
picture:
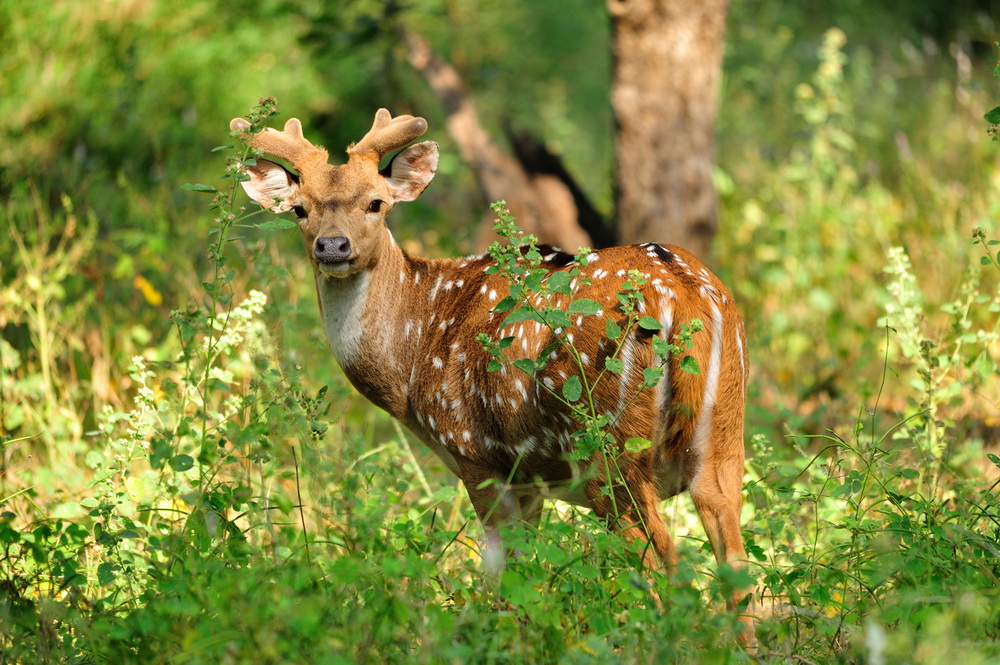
column 403, row 329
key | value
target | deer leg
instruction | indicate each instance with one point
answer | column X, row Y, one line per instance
column 495, row 505
column 717, row 494
column 530, row 504
column 630, row 508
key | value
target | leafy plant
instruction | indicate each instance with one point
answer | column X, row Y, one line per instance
column 547, row 298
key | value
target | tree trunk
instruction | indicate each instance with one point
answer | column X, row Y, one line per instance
column 542, row 203
column 667, row 68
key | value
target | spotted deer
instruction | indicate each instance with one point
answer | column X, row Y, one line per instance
column 404, row 328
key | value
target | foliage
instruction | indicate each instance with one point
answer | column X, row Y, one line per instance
column 549, row 300
column 152, row 508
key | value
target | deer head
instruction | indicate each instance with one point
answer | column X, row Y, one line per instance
column 341, row 208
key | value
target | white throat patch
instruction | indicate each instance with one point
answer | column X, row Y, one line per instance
column 343, row 302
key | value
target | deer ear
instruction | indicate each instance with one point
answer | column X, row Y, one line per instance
column 412, row 170
column 269, row 181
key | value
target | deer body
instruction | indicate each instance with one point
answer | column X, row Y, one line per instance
column 404, row 331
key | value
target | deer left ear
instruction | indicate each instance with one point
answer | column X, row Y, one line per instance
column 412, row 170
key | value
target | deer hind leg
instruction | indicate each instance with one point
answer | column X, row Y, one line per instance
column 716, row 491
column 630, row 508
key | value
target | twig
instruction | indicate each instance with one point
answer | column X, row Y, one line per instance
column 298, row 497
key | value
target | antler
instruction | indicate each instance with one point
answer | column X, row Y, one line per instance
column 388, row 134
column 290, row 144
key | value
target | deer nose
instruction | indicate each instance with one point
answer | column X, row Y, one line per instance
column 332, row 250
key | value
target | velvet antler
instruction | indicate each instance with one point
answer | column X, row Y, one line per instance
column 388, row 134
column 289, row 145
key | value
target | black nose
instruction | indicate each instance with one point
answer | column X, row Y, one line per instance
column 332, row 250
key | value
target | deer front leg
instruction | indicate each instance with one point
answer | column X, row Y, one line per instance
column 495, row 505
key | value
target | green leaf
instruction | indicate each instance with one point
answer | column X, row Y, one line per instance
column 572, row 389
column 505, row 305
column 985, row 260
column 559, row 319
column 649, row 323
column 543, row 355
column 558, row 282
column 637, row 444
column 584, row 306
column 612, row 330
column 522, row 313
column 526, row 365
column 276, row 225
column 494, row 366
column 107, row 573
column 663, row 348
column 651, row 376
column 993, row 458
column 993, row 116
column 690, row 365
column 222, row 147
column 533, row 282
column 909, row 474
column 614, row 365
column 181, row 462
column 197, row 187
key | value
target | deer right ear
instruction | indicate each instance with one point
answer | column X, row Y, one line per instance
column 269, row 181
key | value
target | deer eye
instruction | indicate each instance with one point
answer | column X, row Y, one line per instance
column 376, row 205
column 299, row 211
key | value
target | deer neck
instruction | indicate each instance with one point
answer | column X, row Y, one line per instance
column 364, row 317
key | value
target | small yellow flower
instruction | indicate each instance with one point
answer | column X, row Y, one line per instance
column 149, row 292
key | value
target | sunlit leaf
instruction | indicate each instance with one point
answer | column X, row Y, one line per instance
column 651, row 376
column 637, row 444
column 649, row 323
column 690, row 365
column 526, row 365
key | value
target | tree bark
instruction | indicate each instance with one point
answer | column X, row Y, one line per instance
column 667, row 70
column 542, row 203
